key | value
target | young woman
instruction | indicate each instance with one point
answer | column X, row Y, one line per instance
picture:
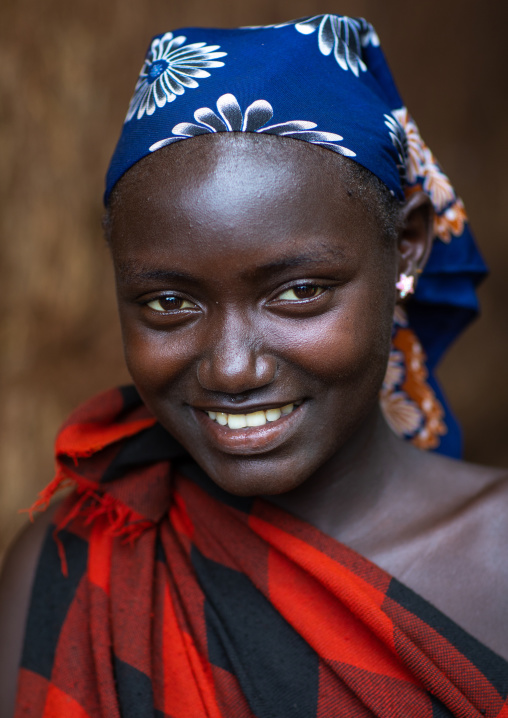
column 258, row 528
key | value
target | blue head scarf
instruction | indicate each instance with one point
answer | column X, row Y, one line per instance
column 323, row 80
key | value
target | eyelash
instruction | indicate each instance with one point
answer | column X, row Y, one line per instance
column 170, row 310
column 280, row 297
column 302, row 285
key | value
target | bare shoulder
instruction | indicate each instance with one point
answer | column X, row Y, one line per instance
column 485, row 525
column 459, row 559
column 460, row 485
column 16, row 582
column 479, row 491
column 492, row 496
column 475, row 508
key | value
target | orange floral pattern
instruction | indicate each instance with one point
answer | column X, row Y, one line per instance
column 408, row 402
column 423, row 172
column 436, row 183
column 451, row 222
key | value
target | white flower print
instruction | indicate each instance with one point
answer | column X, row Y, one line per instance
column 232, row 119
column 368, row 35
column 422, row 170
column 422, row 165
column 436, row 183
column 408, row 402
column 415, row 144
column 394, row 371
column 169, row 68
column 344, row 35
column 402, row 415
column 451, row 222
column 399, row 139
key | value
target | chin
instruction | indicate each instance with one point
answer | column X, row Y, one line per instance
column 254, row 475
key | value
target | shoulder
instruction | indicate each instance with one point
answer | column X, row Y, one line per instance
column 483, row 520
column 459, row 559
column 16, row 580
column 473, row 503
column 491, row 498
column 459, row 485
column 476, row 492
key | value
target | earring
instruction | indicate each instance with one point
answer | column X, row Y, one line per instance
column 405, row 285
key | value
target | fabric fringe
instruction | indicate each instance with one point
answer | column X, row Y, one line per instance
column 121, row 521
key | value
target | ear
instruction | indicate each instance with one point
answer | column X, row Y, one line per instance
column 417, row 234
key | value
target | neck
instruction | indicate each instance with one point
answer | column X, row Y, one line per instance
column 353, row 495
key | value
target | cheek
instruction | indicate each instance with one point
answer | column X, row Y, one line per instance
column 155, row 359
column 349, row 346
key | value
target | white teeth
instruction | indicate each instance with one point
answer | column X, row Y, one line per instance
column 256, row 418
column 273, row 414
column 237, row 421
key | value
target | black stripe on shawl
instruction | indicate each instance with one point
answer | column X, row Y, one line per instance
column 52, row 595
column 489, row 663
column 438, row 709
column 277, row 670
column 135, row 695
column 148, row 447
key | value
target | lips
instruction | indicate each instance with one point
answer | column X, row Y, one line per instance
column 276, row 428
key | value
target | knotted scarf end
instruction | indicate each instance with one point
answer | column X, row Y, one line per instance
column 90, row 504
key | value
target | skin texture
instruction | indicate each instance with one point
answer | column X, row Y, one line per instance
column 250, row 274
column 242, row 341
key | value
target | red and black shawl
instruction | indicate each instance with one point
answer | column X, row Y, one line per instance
column 161, row 595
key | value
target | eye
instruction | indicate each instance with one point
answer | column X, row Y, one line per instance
column 170, row 303
column 301, row 291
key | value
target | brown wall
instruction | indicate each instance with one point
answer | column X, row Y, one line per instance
column 66, row 73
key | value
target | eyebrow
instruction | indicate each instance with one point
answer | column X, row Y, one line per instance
column 133, row 272
column 128, row 272
column 301, row 260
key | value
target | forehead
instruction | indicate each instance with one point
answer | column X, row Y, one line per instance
column 238, row 192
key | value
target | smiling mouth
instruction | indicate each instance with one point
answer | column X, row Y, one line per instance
column 254, row 419
column 252, row 433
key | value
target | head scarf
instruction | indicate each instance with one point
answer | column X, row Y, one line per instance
column 323, row 80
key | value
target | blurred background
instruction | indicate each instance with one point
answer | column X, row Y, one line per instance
column 67, row 70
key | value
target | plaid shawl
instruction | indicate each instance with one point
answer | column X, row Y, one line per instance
column 165, row 596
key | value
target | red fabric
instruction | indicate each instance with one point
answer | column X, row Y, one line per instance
column 181, row 601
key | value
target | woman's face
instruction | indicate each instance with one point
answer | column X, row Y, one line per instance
column 256, row 296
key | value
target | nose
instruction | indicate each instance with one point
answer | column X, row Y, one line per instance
column 235, row 362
